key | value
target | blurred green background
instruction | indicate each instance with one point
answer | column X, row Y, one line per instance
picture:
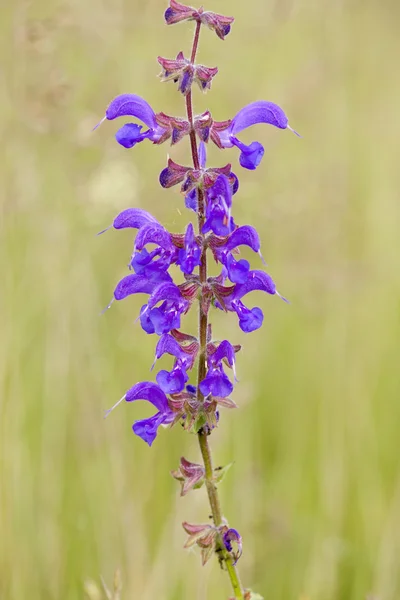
column 315, row 488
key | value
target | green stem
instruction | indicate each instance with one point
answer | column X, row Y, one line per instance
column 212, row 490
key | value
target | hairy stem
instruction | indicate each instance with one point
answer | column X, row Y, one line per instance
column 212, row 490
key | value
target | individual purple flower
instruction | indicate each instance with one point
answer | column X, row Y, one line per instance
column 249, row 319
column 218, row 209
column 150, row 231
column 237, row 270
column 155, row 319
column 173, row 382
column 167, row 316
column 189, row 257
column 147, row 428
column 232, row 535
column 216, row 382
column 160, row 258
column 224, row 133
column 131, row 134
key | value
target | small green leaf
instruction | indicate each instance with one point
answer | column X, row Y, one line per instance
column 220, row 472
column 200, row 421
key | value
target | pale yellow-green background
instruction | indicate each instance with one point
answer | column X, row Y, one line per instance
column 315, row 489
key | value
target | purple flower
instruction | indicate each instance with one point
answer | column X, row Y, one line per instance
column 143, row 261
column 167, row 316
column 216, row 382
column 173, row 382
column 189, row 257
column 243, row 236
column 155, row 319
column 130, row 134
column 249, row 319
column 224, row 133
column 147, row 428
column 150, row 232
column 232, row 535
column 218, row 209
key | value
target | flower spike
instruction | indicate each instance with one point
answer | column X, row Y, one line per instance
column 171, row 269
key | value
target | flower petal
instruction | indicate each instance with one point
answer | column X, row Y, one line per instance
column 244, row 236
column 216, row 383
column 250, row 156
column 257, row 280
column 153, row 233
column 237, row 269
column 250, row 319
column 168, row 345
column 133, row 217
column 172, row 382
column 259, row 112
column 224, row 350
column 147, row 429
column 164, row 291
column 147, row 390
column 133, row 284
column 129, row 135
column 202, row 155
column 134, row 106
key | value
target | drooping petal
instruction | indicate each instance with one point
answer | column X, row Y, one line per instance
column 237, row 269
column 216, row 383
column 250, row 319
column 250, row 156
column 147, row 429
column 129, row 135
column 172, row 382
